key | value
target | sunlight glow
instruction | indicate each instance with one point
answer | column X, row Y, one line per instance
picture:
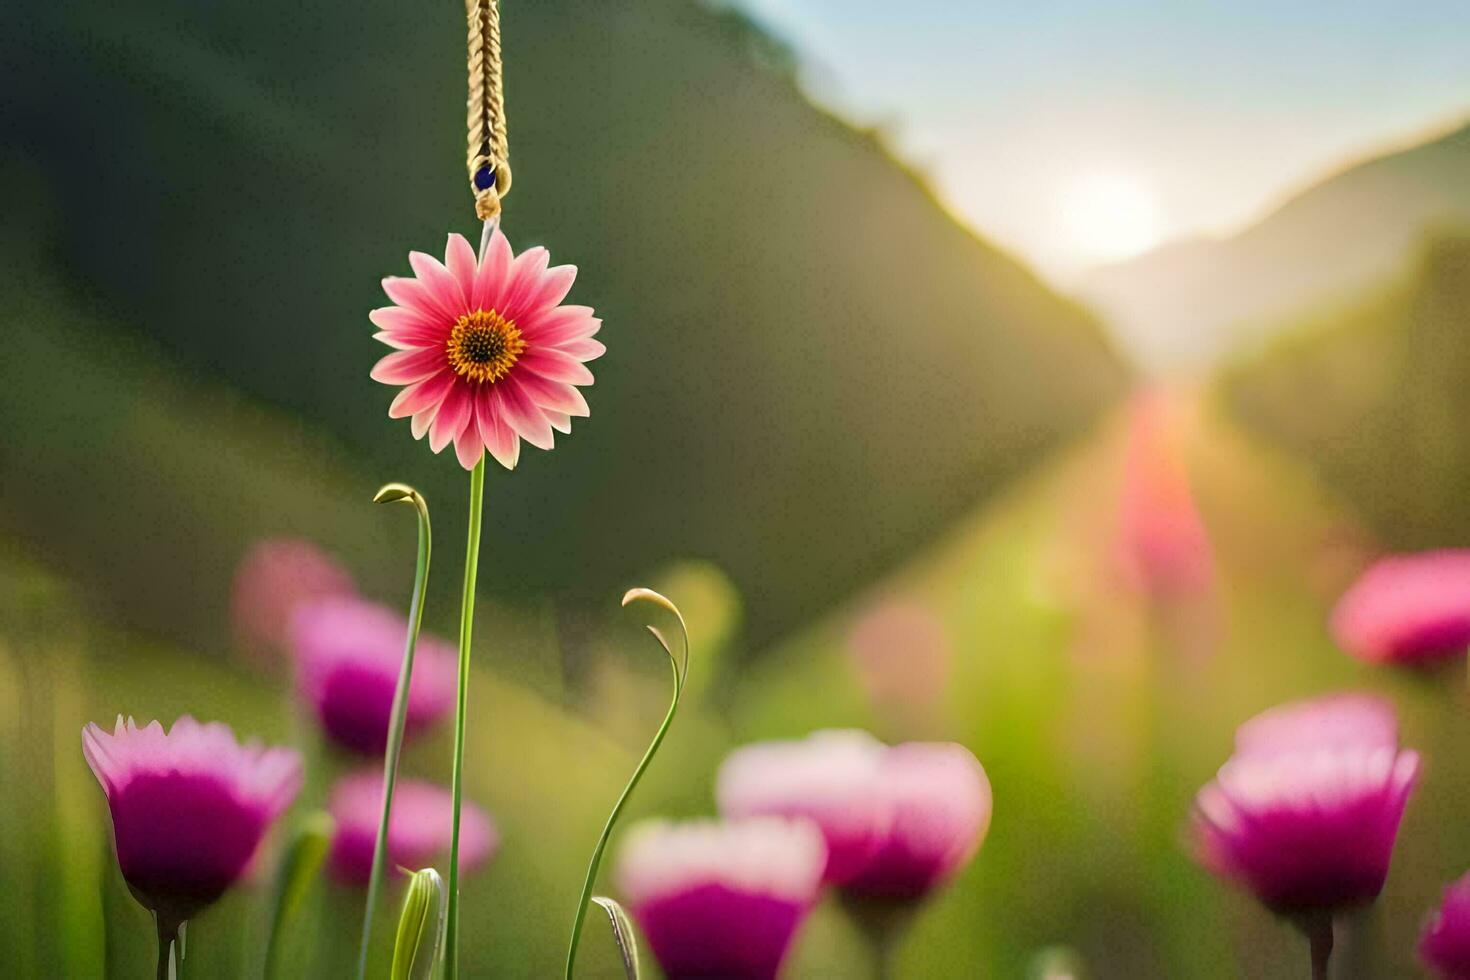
column 1107, row 217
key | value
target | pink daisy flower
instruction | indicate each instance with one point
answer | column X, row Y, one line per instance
column 1407, row 609
column 486, row 353
column 189, row 807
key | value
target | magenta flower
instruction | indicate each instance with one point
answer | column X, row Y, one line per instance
column 418, row 831
column 1305, row 813
column 189, row 807
column 829, row 777
column 348, row 653
column 721, row 899
column 1444, row 945
column 487, row 354
column 1407, row 609
column 275, row 576
column 939, row 804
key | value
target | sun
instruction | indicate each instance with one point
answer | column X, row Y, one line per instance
column 1108, row 217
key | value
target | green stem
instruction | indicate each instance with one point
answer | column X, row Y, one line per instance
column 680, row 667
column 607, row 830
column 399, row 716
column 168, row 944
column 466, row 632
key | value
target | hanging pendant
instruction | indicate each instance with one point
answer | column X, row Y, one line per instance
column 486, row 353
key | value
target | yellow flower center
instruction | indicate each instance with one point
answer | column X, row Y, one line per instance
column 484, row 346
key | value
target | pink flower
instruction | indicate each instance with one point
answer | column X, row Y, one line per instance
column 276, row 575
column 348, row 653
column 1305, row 813
column 486, row 353
column 939, row 803
column 189, row 807
column 829, row 777
column 1444, row 945
column 419, row 828
column 1407, row 609
column 721, row 899
column 1163, row 545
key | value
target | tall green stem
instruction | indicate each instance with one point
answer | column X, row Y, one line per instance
column 399, row 716
column 466, row 632
column 680, row 667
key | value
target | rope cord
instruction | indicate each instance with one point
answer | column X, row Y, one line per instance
column 488, row 159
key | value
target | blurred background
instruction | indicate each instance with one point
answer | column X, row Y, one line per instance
column 926, row 324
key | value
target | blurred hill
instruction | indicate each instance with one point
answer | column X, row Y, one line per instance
column 812, row 369
column 1187, row 303
column 1373, row 395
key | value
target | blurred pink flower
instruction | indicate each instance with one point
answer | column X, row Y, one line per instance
column 348, row 653
column 189, row 807
column 829, row 777
column 1444, row 945
column 721, row 899
column 275, row 576
column 1407, row 609
column 939, row 804
column 1162, row 544
column 485, row 352
column 1306, row 812
column 419, row 829
column 901, row 653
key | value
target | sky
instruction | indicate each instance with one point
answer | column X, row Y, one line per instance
column 1075, row 134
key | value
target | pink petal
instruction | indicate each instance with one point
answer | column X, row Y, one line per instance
column 552, row 288
column 394, row 340
column 525, row 278
column 468, row 446
column 553, row 364
column 402, row 319
column 494, row 273
column 453, row 416
column 422, row 397
column 441, row 284
column 419, row 424
column 406, row 367
column 560, row 421
column 502, row 443
column 523, row 415
column 559, row 325
column 583, row 350
column 459, row 258
column 418, row 298
column 554, row 395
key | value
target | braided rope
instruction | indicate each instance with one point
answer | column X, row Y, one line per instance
column 488, row 159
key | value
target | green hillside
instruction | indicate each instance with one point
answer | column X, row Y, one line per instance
column 1191, row 302
column 1373, row 396
column 812, row 369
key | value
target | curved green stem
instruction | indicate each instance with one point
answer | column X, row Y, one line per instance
column 466, row 632
column 399, row 716
column 680, row 667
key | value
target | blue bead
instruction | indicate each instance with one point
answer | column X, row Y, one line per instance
column 484, row 179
